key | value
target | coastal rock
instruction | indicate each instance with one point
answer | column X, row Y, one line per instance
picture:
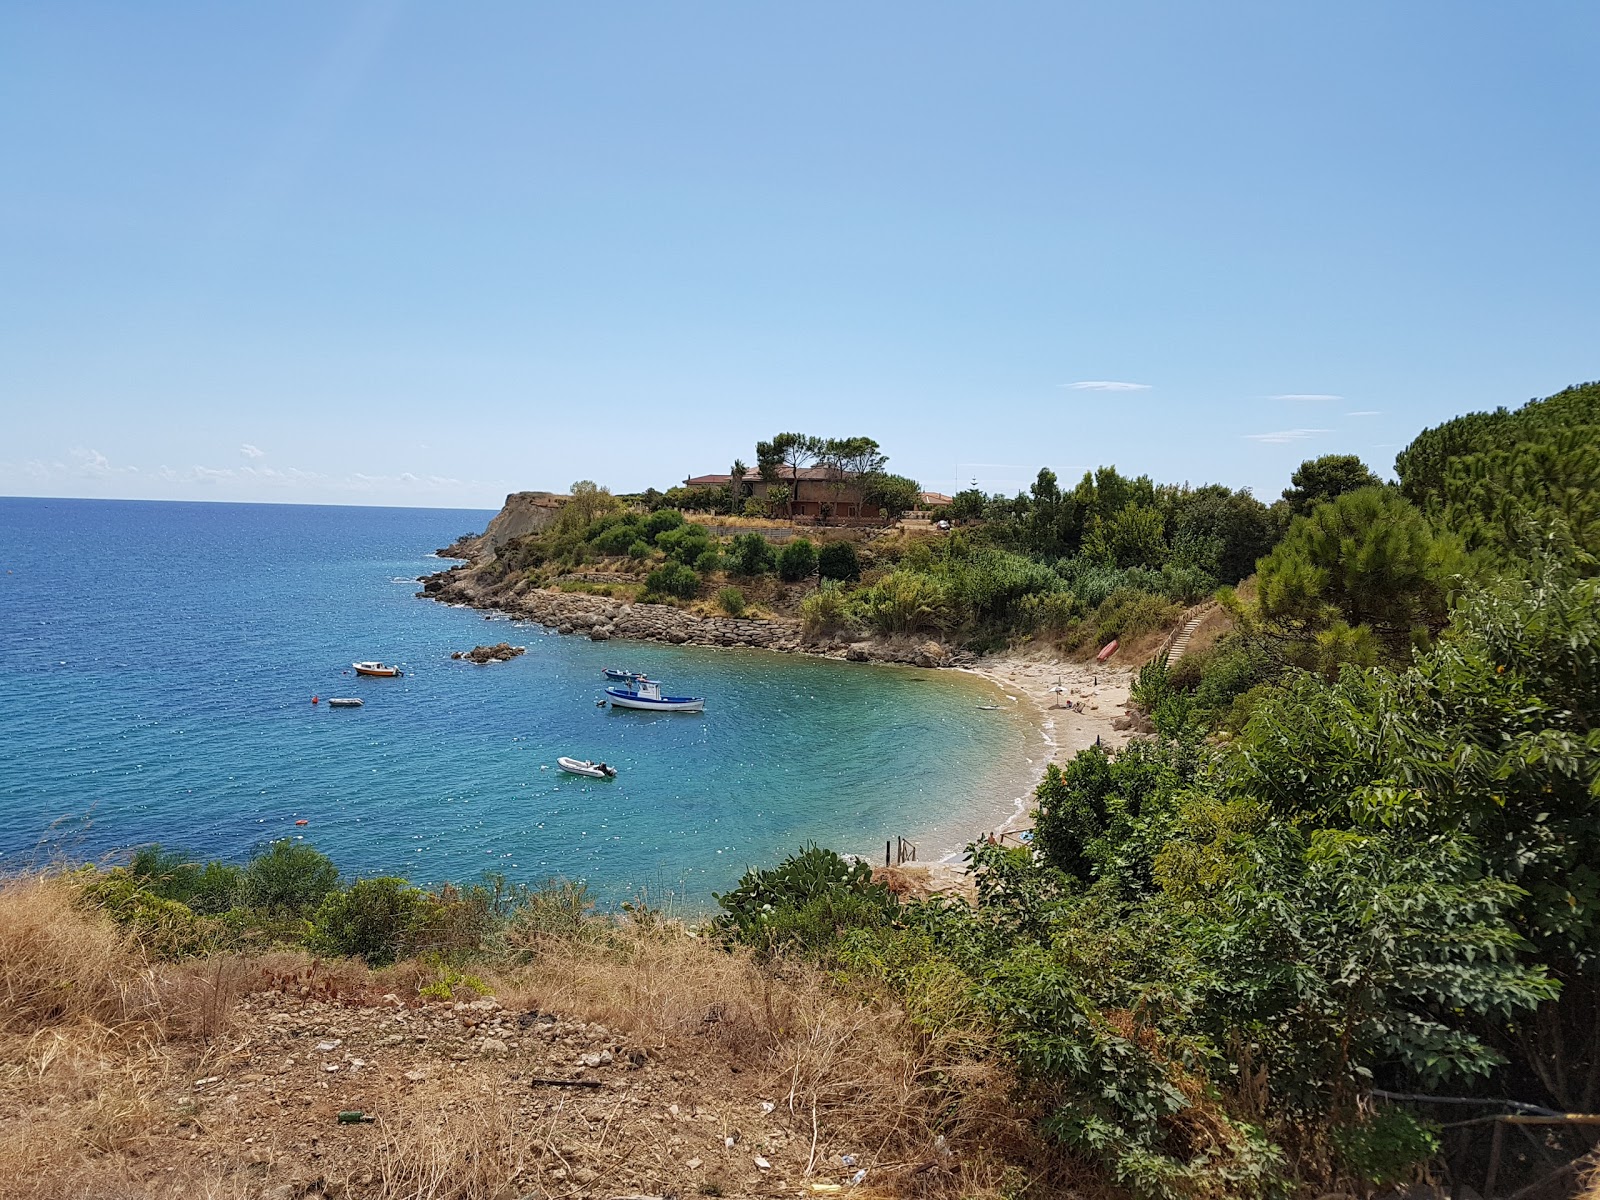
column 499, row 652
column 600, row 633
column 860, row 652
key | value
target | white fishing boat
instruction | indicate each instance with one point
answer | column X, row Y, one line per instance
column 582, row 766
column 345, row 702
column 646, row 694
column 376, row 668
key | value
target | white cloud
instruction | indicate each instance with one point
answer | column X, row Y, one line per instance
column 1366, row 412
column 91, row 462
column 250, row 451
column 1306, row 397
column 1284, row 436
column 1106, row 385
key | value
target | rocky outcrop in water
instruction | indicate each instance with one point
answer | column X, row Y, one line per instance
column 499, row 652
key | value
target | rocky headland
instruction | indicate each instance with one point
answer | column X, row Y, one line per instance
column 601, row 618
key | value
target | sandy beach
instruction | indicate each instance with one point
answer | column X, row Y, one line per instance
column 1054, row 691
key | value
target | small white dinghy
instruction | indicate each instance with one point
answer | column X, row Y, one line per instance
column 345, row 702
column 582, row 766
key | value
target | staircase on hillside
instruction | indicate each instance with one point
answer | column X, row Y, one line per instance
column 1177, row 645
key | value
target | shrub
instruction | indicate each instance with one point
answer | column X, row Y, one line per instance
column 798, row 560
column 376, row 919
column 1386, row 1148
column 558, row 911
column 806, row 901
column 731, row 601
column 662, row 520
column 163, row 928
column 616, row 539
column 639, row 550
column 710, row 560
column 206, row 888
column 1052, row 614
column 673, row 579
column 751, row 554
column 289, row 877
column 838, row 560
column 686, row 544
column 824, row 610
column 903, row 602
column 1127, row 613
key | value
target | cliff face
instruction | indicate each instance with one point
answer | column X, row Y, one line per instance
column 523, row 512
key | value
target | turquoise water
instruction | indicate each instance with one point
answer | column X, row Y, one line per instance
column 157, row 663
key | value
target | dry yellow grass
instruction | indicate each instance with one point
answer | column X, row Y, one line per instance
column 103, row 1055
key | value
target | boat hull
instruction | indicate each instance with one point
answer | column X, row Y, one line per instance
column 622, row 699
column 574, row 766
column 345, row 702
column 377, row 672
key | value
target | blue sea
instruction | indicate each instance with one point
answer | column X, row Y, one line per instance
column 158, row 661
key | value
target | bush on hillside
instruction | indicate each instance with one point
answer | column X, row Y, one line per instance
column 639, row 550
column 165, row 929
column 661, row 521
column 684, row 544
column 807, row 901
column 375, row 919
column 673, row 579
column 617, row 538
column 288, row 877
column 838, row 560
column 206, row 888
column 731, row 601
column 1127, row 613
column 903, row 603
column 824, row 610
column 797, row 561
column 751, row 554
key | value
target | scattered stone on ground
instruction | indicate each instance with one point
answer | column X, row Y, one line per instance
column 584, row 1112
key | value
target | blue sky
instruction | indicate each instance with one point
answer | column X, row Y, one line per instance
column 396, row 253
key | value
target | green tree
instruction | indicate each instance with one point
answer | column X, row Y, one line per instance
column 736, row 476
column 1318, row 480
column 1222, row 531
column 1133, row 537
column 1368, row 558
column 797, row 561
column 588, row 501
column 1497, row 478
column 895, row 494
column 750, row 554
column 838, row 560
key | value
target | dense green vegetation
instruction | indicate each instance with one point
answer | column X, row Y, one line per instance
column 1493, row 477
column 1389, row 879
column 1360, row 853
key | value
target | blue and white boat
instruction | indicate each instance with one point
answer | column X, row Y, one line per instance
column 617, row 676
column 646, row 694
